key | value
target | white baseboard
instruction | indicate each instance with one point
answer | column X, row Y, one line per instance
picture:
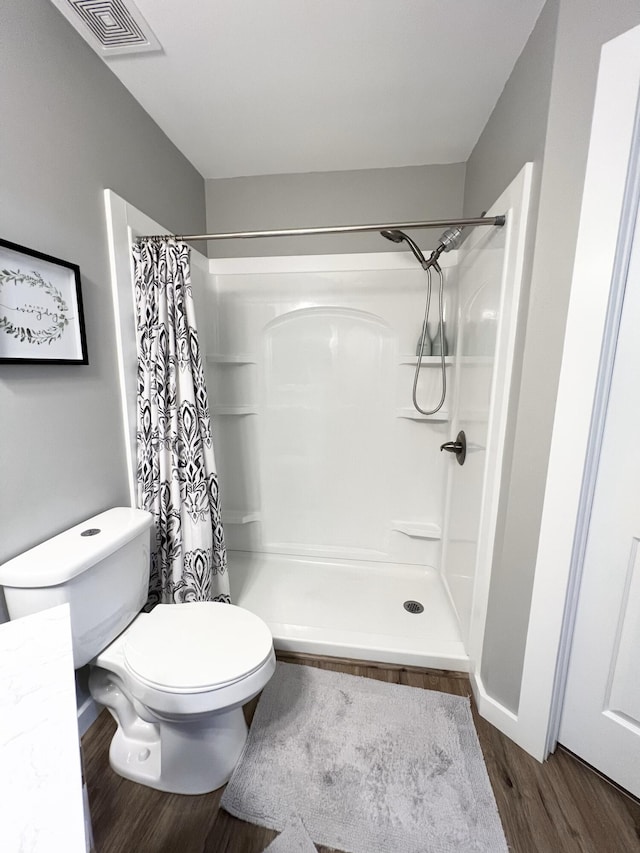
column 501, row 717
column 87, row 715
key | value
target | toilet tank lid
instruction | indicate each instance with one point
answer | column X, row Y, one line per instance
column 69, row 553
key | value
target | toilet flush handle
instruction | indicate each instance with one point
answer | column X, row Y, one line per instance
column 459, row 447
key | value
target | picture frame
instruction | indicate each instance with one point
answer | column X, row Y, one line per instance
column 41, row 312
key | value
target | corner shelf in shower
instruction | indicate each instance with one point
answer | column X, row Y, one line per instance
column 239, row 517
column 427, row 360
column 239, row 411
column 412, row 414
column 418, row 529
column 220, row 358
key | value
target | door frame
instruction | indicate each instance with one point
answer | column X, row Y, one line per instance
column 609, row 208
column 628, row 229
column 125, row 223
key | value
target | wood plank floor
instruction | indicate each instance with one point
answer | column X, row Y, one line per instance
column 557, row 807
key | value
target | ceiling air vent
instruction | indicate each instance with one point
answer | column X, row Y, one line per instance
column 109, row 26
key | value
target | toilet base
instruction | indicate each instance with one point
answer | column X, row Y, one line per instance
column 193, row 757
column 185, row 754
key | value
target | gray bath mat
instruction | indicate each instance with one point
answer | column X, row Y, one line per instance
column 294, row 839
column 370, row 767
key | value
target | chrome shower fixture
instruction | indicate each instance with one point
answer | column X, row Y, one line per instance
column 399, row 237
column 450, row 239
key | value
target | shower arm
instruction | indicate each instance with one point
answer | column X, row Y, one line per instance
column 335, row 229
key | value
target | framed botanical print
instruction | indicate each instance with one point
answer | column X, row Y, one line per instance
column 41, row 317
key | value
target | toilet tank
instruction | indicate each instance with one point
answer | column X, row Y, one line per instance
column 100, row 568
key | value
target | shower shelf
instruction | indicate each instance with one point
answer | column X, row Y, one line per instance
column 234, row 410
column 411, row 414
column 427, row 360
column 219, row 358
column 239, row 517
column 418, row 529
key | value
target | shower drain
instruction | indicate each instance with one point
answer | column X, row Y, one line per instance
column 413, row 606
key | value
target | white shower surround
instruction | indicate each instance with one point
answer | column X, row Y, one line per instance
column 333, row 577
column 328, row 527
column 311, row 375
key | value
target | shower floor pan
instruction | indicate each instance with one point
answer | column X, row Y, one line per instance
column 349, row 608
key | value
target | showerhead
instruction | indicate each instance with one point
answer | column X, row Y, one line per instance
column 398, row 237
column 394, row 236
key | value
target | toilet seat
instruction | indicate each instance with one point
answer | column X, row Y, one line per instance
column 196, row 647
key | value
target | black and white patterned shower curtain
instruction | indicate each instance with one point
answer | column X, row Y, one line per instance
column 177, row 480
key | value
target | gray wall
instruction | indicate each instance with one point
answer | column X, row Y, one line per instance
column 70, row 130
column 582, row 29
column 516, row 131
column 330, row 198
column 515, row 134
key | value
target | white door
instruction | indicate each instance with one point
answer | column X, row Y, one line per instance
column 601, row 714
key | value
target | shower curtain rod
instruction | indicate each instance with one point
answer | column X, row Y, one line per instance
column 336, row 229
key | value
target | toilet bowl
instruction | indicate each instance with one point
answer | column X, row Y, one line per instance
column 175, row 681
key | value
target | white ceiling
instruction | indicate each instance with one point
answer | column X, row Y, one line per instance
column 253, row 87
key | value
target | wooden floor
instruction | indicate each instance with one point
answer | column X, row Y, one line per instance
column 556, row 807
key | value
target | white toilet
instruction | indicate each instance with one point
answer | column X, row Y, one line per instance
column 175, row 679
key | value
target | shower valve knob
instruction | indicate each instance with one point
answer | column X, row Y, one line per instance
column 459, row 447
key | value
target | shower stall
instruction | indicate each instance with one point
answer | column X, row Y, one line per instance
column 348, row 530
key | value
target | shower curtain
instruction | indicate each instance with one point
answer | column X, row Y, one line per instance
column 177, row 480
